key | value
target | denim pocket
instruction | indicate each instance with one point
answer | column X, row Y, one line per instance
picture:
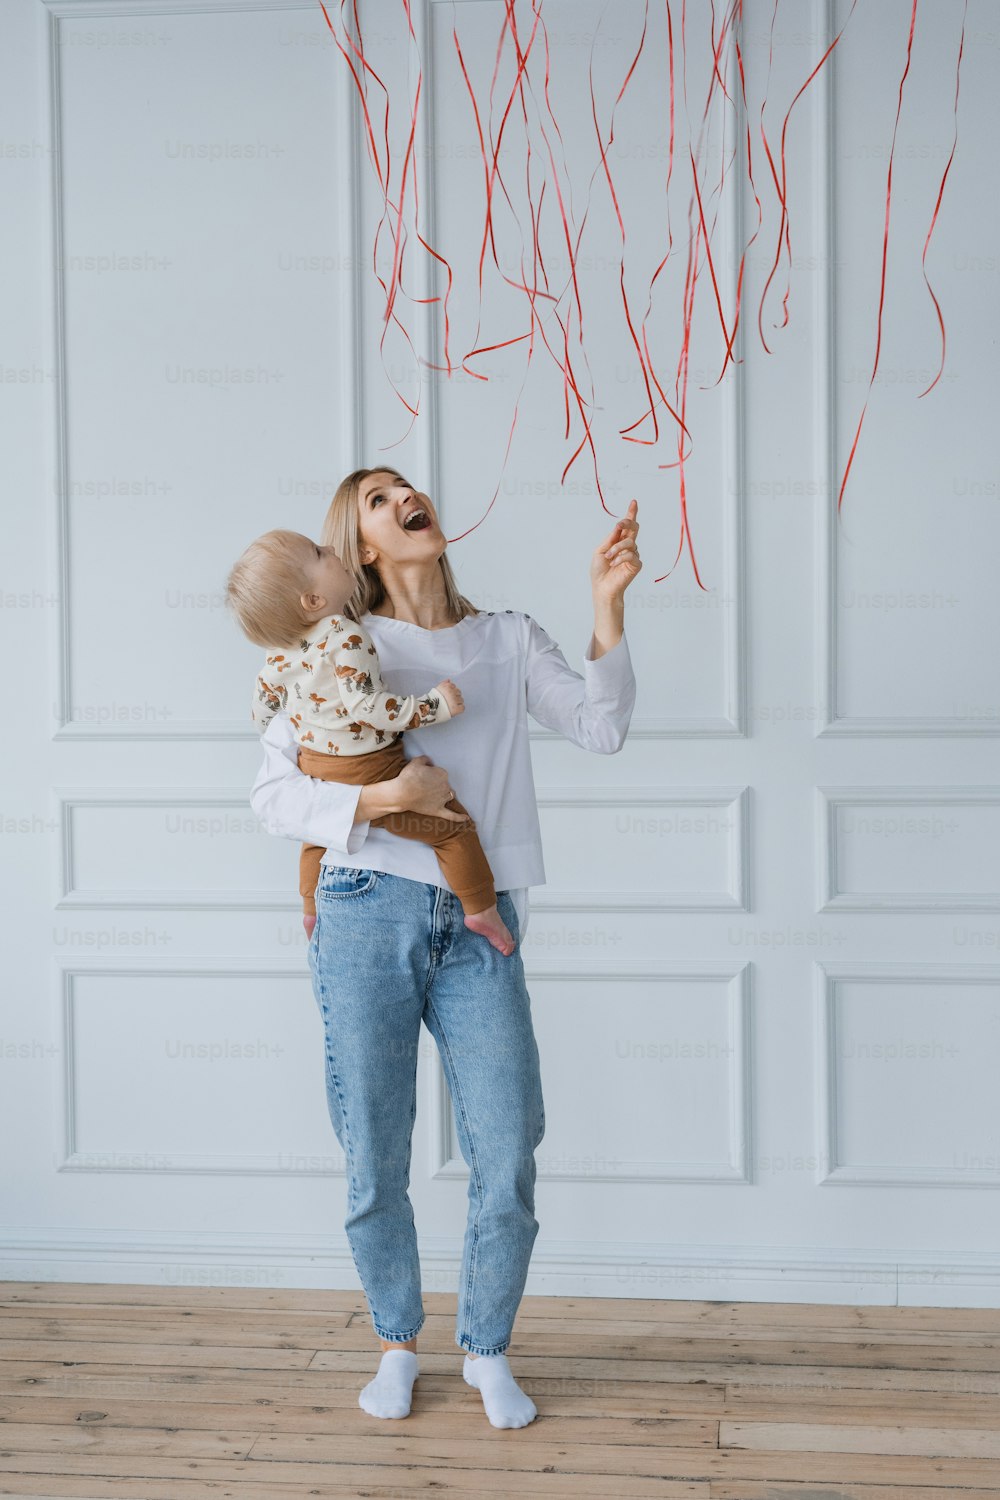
column 507, row 910
column 338, row 881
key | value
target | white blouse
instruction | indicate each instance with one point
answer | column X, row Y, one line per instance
column 507, row 667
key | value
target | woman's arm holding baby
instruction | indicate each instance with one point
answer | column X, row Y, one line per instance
column 296, row 806
column 419, row 787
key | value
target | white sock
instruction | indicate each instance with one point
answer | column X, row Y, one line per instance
column 505, row 1402
column 389, row 1394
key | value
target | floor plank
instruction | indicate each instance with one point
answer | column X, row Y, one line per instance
column 115, row 1392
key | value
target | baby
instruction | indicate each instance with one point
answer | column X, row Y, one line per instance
column 288, row 594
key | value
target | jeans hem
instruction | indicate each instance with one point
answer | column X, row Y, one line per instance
column 473, row 1348
column 398, row 1338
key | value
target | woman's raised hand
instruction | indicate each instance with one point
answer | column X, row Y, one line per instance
column 425, row 788
column 616, row 560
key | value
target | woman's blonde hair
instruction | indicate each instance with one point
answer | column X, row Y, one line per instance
column 265, row 585
column 342, row 532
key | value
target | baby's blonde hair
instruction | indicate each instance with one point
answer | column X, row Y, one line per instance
column 264, row 587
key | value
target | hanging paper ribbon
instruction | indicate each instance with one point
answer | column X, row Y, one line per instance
column 540, row 132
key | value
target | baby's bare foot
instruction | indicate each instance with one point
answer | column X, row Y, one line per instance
column 490, row 924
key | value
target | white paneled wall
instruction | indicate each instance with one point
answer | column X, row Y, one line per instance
column 764, row 971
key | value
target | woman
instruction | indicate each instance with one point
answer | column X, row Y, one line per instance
column 390, row 948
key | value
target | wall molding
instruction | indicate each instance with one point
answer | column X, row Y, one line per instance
column 67, row 896
column 732, row 722
column 831, row 722
column 115, row 1161
column 736, row 897
column 832, row 1171
column 52, row 13
column 445, row 1153
column 86, row 10
column 443, row 1163
column 829, row 897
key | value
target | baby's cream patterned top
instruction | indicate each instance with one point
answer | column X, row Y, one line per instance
column 332, row 689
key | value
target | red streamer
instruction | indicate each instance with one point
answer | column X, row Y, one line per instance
column 944, row 178
column 885, row 249
column 542, row 301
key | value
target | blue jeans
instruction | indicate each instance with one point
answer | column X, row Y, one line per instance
column 387, row 953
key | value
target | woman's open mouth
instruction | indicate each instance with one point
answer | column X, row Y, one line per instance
column 417, row 520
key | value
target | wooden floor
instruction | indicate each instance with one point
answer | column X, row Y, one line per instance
column 181, row 1393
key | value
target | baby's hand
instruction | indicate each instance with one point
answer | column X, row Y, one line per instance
column 452, row 695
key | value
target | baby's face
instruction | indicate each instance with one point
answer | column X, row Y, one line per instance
column 330, row 578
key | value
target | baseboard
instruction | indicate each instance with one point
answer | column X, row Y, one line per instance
column 715, row 1273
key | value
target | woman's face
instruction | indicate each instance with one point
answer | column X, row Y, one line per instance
column 385, row 503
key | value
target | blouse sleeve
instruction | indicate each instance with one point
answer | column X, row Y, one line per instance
column 296, row 806
column 592, row 710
